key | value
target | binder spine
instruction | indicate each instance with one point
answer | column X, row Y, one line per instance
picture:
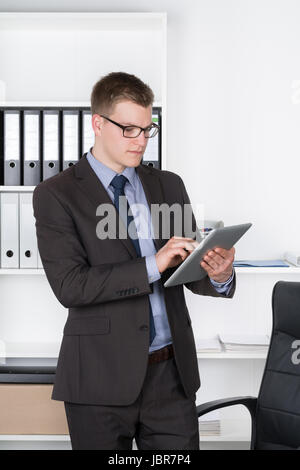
column 51, row 140
column 32, row 161
column 12, row 147
column 70, row 137
column 1, row 147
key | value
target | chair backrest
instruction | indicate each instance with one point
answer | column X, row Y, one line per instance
column 278, row 404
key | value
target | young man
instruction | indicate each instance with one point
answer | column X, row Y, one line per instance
column 127, row 367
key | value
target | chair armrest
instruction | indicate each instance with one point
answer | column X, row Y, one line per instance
column 249, row 402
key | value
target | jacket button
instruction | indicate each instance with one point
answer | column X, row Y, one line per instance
column 144, row 328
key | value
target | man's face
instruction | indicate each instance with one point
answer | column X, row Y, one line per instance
column 117, row 151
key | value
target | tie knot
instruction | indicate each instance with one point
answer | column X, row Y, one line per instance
column 119, row 181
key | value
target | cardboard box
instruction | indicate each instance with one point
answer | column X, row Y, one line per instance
column 28, row 409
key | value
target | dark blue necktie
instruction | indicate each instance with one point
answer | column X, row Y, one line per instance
column 118, row 182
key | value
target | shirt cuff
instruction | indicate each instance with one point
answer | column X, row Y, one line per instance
column 152, row 269
column 223, row 287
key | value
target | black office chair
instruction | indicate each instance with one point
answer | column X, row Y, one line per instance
column 275, row 413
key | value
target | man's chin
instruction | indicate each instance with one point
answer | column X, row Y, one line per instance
column 134, row 162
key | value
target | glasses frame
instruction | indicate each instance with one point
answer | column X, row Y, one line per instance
column 156, row 126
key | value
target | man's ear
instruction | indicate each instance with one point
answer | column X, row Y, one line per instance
column 97, row 122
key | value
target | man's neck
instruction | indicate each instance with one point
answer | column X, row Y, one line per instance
column 96, row 152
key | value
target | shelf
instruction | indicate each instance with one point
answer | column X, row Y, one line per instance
column 26, row 271
column 28, row 349
column 54, row 104
column 19, row 189
column 290, row 270
column 81, row 21
column 231, row 355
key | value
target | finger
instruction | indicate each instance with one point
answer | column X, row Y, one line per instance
column 183, row 238
column 210, row 261
column 207, row 268
column 179, row 252
column 216, row 257
column 183, row 244
column 225, row 253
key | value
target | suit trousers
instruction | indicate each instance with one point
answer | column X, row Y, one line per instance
column 162, row 417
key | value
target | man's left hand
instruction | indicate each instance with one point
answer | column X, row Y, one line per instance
column 218, row 263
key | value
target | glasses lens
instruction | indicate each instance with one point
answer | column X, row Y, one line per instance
column 131, row 131
column 151, row 132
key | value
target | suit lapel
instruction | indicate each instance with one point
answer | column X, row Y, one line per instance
column 154, row 195
column 89, row 183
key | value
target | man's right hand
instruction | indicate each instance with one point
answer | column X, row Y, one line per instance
column 174, row 252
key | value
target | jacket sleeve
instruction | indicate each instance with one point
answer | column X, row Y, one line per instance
column 204, row 286
column 74, row 282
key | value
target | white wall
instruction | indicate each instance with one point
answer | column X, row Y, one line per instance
column 233, row 135
column 233, row 114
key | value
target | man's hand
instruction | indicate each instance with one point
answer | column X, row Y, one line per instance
column 218, row 264
column 176, row 250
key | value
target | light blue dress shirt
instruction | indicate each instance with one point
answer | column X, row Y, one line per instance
column 135, row 195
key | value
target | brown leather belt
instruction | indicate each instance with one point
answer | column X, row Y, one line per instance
column 161, row 354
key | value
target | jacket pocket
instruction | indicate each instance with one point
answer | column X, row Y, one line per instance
column 90, row 325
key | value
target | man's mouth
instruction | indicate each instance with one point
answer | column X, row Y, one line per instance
column 135, row 152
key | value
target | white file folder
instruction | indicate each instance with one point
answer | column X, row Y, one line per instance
column 28, row 239
column 151, row 156
column 12, row 148
column 9, row 230
column 70, row 152
column 88, row 136
column 51, row 162
column 31, row 163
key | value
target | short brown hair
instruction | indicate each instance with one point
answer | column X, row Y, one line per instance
column 116, row 87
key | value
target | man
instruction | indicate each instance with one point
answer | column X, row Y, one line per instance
column 127, row 367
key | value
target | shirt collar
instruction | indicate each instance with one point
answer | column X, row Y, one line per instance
column 106, row 174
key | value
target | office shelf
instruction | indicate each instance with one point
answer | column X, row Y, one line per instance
column 14, row 189
column 231, row 355
column 40, row 271
column 290, row 270
column 26, row 271
column 54, row 104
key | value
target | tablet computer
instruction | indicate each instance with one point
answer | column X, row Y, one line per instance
column 190, row 269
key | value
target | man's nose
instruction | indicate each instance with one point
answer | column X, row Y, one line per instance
column 141, row 139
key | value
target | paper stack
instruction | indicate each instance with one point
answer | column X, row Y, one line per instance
column 209, row 424
column 292, row 257
column 243, row 342
column 207, row 345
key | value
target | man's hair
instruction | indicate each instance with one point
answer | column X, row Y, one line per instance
column 116, row 87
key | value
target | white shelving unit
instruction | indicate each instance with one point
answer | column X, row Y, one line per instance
column 71, row 51
column 61, row 56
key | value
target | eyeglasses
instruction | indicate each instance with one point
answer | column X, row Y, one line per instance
column 131, row 132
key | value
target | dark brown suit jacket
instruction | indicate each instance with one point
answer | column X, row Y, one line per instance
column 104, row 352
